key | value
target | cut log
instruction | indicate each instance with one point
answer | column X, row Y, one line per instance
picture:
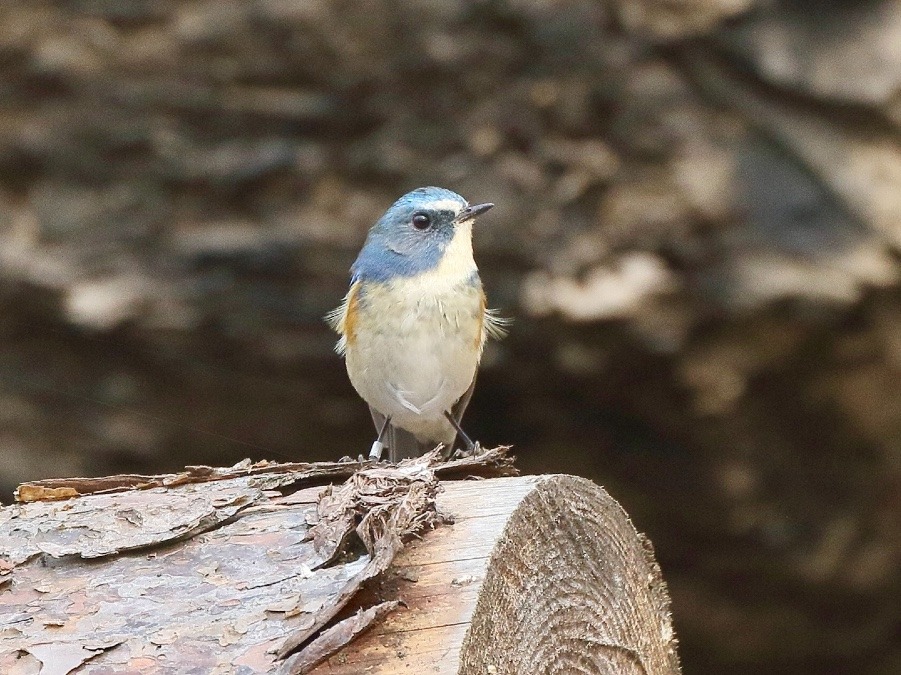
column 519, row 575
column 540, row 574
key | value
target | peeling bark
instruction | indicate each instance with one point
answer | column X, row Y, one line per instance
column 207, row 565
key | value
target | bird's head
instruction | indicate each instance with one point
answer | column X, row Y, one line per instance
column 417, row 233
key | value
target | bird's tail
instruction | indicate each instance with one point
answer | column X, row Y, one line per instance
column 401, row 443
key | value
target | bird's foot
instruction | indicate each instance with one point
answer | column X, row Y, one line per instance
column 470, row 447
column 464, row 453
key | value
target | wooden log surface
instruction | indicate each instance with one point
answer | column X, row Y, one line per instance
column 534, row 574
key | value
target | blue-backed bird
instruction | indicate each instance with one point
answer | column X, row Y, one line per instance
column 415, row 320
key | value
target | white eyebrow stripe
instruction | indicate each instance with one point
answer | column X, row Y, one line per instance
column 446, row 205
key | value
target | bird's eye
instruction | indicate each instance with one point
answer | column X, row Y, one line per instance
column 421, row 221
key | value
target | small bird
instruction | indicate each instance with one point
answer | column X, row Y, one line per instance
column 415, row 320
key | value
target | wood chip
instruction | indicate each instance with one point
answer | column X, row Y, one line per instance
column 336, row 637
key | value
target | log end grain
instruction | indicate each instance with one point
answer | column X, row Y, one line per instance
column 571, row 587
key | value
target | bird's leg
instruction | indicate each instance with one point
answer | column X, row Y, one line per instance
column 471, row 448
column 375, row 453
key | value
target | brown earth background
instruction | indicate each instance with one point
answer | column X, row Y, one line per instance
column 698, row 233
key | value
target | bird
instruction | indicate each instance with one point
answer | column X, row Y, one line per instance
column 414, row 322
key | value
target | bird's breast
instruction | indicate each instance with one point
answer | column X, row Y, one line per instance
column 409, row 308
column 415, row 348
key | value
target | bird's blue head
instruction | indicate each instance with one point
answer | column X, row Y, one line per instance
column 415, row 234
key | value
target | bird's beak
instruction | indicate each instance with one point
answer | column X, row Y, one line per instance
column 471, row 212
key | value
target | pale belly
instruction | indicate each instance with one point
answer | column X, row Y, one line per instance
column 414, row 359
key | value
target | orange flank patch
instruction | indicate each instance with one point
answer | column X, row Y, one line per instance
column 349, row 322
column 343, row 319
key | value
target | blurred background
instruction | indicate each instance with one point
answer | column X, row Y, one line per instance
column 697, row 232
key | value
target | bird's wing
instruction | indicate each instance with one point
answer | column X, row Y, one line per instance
column 460, row 406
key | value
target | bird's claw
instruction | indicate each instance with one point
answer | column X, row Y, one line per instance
column 474, row 451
